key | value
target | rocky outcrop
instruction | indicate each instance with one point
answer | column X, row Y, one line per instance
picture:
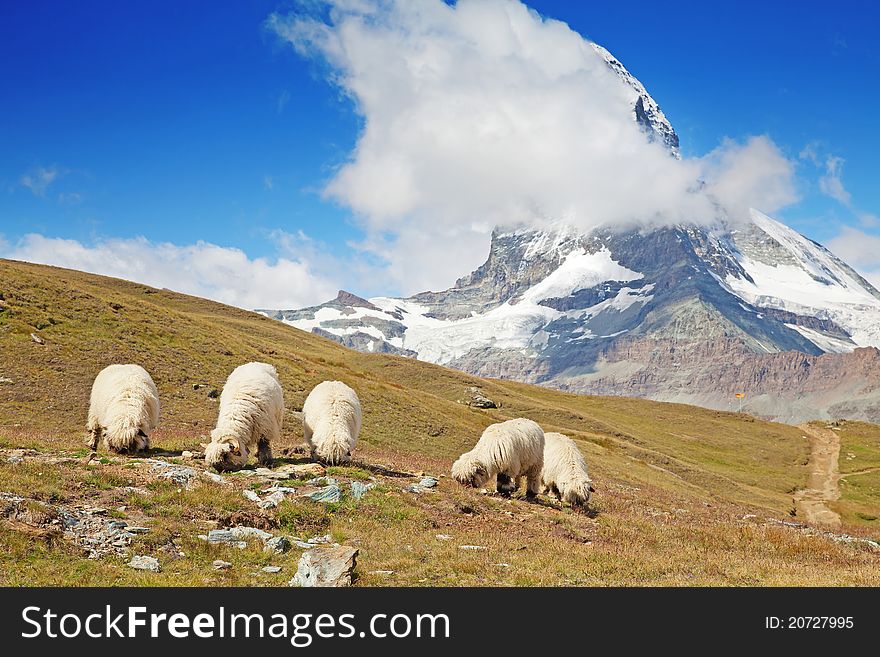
column 326, row 567
column 789, row 386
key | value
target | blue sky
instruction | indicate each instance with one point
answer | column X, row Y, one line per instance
column 188, row 122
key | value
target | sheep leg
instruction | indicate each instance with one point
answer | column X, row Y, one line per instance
column 94, row 437
column 264, row 452
column 533, row 482
column 504, row 484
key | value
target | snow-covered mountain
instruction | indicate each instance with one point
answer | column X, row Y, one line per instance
column 679, row 314
column 687, row 313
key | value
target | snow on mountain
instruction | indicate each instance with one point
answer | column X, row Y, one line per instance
column 786, row 271
column 646, row 111
column 517, row 323
column 511, row 324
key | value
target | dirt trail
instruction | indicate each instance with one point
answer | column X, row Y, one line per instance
column 812, row 501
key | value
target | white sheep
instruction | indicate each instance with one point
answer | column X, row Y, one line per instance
column 331, row 421
column 250, row 417
column 509, row 451
column 565, row 470
column 124, row 408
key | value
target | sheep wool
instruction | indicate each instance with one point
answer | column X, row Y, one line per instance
column 509, row 451
column 124, row 409
column 250, row 418
column 565, row 470
column 332, row 421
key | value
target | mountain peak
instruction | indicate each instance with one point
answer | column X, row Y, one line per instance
column 646, row 111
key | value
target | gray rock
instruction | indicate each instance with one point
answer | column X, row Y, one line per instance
column 272, row 500
column 302, row 470
column 179, row 474
column 479, row 400
column 271, row 569
column 217, row 479
column 272, row 474
column 244, row 533
column 251, row 495
column 278, row 545
column 472, row 547
column 323, row 481
column 36, row 338
column 219, row 564
column 326, row 567
column 236, row 536
column 219, row 536
column 145, row 563
column 280, row 489
column 359, row 489
column 326, row 539
column 327, row 494
column 427, row 483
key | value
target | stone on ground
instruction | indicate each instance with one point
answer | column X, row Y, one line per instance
column 326, row 567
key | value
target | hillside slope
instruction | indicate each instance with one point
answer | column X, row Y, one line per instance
column 685, row 495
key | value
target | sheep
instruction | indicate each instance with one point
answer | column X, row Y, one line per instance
column 565, row 470
column 250, row 417
column 509, row 451
column 124, row 408
column 331, row 418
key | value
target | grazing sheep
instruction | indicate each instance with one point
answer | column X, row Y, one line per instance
column 251, row 412
column 509, row 450
column 331, row 421
column 124, row 408
column 565, row 470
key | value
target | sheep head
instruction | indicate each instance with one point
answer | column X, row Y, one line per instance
column 225, row 453
column 469, row 472
column 579, row 494
column 332, row 452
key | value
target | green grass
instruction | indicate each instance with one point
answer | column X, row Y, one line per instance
column 859, row 466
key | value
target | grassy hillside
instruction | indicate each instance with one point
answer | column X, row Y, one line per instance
column 685, row 495
column 859, row 466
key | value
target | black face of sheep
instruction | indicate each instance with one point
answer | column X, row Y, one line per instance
column 225, row 456
column 469, row 473
column 505, row 485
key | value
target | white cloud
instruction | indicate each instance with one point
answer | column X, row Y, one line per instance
column 484, row 113
column 861, row 250
column 70, row 198
column 831, row 184
column 206, row 270
column 755, row 174
column 39, row 179
column 283, row 99
column 868, row 219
